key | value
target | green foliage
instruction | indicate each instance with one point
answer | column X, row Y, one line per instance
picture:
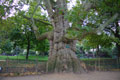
column 88, row 21
column 16, row 34
column 95, row 40
column 2, row 11
column 6, row 46
column 42, row 46
column 40, row 58
column 85, row 21
column 76, row 15
column 109, row 52
column 109, row 6
column 24, row 30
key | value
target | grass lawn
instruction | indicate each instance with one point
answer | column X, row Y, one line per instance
column 43, row 58
column 94, row 59
column 40, row 58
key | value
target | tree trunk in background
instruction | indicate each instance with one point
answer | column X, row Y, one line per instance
column 97, row 52
column 117, row 35
column 118, row 48
column 28, row 47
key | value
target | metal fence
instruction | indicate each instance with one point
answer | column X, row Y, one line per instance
column 22, row 66
column 103, row 64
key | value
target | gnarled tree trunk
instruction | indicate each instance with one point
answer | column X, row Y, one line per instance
column 62, row 57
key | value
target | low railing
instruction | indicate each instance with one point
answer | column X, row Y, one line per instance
column 22, row 66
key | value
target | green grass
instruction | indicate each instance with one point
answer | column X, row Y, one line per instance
column 43, row 58
column 40, row 58
column 94, row 59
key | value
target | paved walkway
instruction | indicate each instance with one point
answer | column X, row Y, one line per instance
column 70, row 76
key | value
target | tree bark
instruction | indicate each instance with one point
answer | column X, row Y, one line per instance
column 118, row 48
column 28, row 47
column 117, row 35
column 62, row 57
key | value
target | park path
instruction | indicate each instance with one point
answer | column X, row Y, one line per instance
column 70, row 76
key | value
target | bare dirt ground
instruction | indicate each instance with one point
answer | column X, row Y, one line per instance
column 70, row 76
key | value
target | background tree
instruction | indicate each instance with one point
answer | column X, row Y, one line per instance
column 99, row 14
column 113, row 29
column 103, row 12
column 22, row 35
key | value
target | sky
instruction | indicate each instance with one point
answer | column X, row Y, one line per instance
column 70, row 5
column 26, row 7
column 12, row 10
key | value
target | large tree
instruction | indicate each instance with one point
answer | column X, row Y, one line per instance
column 62, row 55
column 105, row 10
column 112, row 7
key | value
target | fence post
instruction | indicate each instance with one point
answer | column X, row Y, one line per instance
column 46, row 67
column 103, row 65
column 36, row 68
column 117, row 60
column 95, row 64
column 7, row 65
column 99, row 64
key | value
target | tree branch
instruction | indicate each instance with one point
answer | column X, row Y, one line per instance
column 94, row 31
column 35, row 29
column 86, row 34
column 67, row 39
column 47, row 35
column 109, row 29
column 42, row 7
column 48, row 6
column 38, row 20
column 35, row 8
column 113, row 18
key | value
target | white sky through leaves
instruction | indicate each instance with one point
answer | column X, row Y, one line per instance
column 26, row 7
